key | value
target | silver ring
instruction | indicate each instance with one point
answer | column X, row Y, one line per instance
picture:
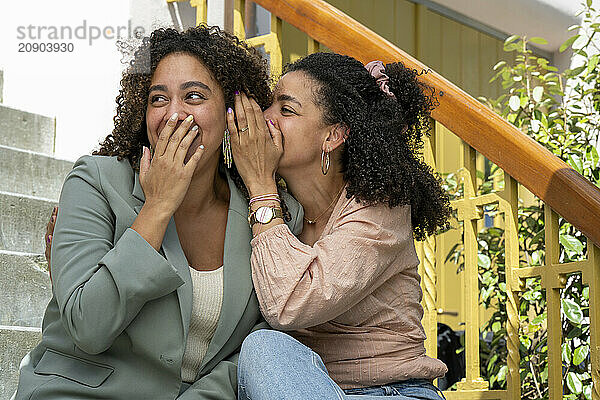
column 244, row 129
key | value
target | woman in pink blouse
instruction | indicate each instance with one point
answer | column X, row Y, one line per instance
column 346, row 289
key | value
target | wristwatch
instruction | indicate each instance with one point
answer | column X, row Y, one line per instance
column 264, row 215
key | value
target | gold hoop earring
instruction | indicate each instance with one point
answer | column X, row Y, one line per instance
column 227, row 149
column 324, row 162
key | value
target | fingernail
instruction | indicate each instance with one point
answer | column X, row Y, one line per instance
column 229, row 110
column 237, row 92
column 201, row 146
column 195, row 128
column 189, row 118
column 173, row 117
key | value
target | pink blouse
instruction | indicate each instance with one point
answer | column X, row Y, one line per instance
column 353, row 297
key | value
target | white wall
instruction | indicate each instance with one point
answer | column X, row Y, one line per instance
column 79, row 87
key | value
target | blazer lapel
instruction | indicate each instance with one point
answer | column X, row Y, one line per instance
column 237, row 278
column 173, row 252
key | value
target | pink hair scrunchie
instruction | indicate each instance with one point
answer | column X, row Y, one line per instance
column 377, row 70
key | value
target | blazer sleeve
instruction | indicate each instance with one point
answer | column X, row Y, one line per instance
column 300, row 286
column 100, row 286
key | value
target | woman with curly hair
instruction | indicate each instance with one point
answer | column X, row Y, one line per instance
column 347, row 288
column 152, row 292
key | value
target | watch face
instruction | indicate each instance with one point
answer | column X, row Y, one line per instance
column 264, row 214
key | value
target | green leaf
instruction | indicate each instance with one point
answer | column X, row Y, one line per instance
column 571, row 243
column 575, row 71
column 575, row 162
column 572, row 311
column 511, row 39
column 496, row 326
column 574, row 384
column 568, row 43
column 544, row 374
column 580, row 354
column 483, row 261
column 499, row 64
column 587, row 392
column 502, row 373
column 514, row 103
column 538, row 40
column 525, row 341
column 539, row 319
column 492, row 361
column 524, row 101
column 592, row 63
column 538, row 92
column 591, row 155
column 566, row 353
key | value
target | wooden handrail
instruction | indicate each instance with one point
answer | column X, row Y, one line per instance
column 545, row 175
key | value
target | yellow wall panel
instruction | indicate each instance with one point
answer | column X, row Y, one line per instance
column 488, row 57
column 451, row 60
column 469, row 53
column 404, row 26
column 294, row 43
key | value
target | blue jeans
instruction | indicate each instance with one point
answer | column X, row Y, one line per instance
column 275, row 366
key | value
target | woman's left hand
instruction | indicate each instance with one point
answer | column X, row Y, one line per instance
column 256, row 144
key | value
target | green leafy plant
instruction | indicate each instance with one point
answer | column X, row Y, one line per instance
column 561, row 111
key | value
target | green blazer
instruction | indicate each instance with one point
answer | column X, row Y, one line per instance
column 117, row 324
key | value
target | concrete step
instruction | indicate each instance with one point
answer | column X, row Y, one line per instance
column 23, row 221
column 26, row 289
column 27, row 131
column 15, row 343
column 30, row 173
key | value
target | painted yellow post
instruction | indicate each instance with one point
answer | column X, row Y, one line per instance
column 275, row 47
column 468, row 212
column 427, row 266
column 591, row 277
column 239, row 19
column 201, row 7
column 513, row 283
column 312, row 46
column 272, row 43
column 552, row 281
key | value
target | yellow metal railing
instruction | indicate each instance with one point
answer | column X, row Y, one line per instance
column 271, row 41
column 470, row 211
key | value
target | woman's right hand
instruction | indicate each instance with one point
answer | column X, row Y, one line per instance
column 165, row 177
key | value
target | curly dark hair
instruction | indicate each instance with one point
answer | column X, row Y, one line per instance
column 233, row 64
column 382, row 157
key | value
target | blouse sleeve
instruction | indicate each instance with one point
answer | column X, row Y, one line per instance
column 300, row 286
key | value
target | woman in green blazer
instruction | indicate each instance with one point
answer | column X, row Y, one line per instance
column 131, row 225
